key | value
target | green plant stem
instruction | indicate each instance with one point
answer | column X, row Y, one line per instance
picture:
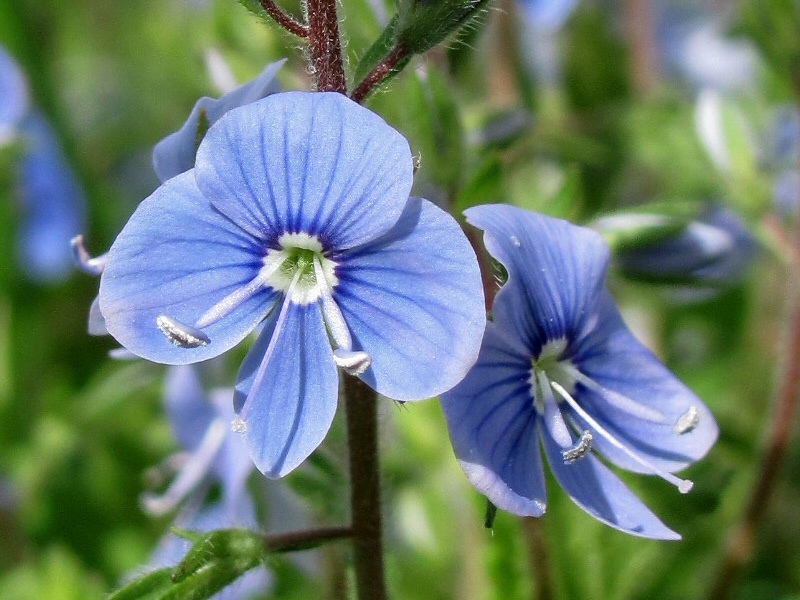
column 741, row 543
column 303, row 540
column 324, row 46
column 365, row 496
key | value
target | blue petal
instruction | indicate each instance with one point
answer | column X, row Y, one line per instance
column 177, row 256
column 548, row 14
column 307, row 162
column 188, row 409
column 288, row 413
column 492, row 424
column 615, row 359
column 175, row 153
column 233, row 464
column 594, row 488
column 14, row 100
column 413, row 300
column 52, row 201
column 555, row 271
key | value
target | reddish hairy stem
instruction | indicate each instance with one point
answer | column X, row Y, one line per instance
column 283, row 19
column 325, row 48
column 741, row 543
column 365, row 492
column 538, row 557
column 381, row 71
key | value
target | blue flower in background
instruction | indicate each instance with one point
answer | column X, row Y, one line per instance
column 214, row 455
column 297, row 216
column 14, row 98
column 52, row 201
column 712, row 250
column 547, row 14
column 558, row 367
column 175, row 154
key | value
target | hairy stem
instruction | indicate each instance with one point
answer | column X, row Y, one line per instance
column 381, row 71
column 365, row 493
column 741, row 543
column 324, row 46
column 284, row 19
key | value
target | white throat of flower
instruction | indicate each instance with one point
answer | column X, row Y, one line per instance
column 301, row 271
column 550, row 373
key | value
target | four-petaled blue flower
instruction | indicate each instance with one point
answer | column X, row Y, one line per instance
column 559, row 368
column 297, row 218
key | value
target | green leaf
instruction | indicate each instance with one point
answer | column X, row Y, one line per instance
column 144, row 586
column 422, row 24
column 379, row 49
column 254, row 6
column 240, row 548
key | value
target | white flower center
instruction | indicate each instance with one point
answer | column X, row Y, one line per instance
column 297, row 254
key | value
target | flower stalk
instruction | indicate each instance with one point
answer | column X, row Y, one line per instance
column 285, row 20
column 324, row 46
column 365, row 501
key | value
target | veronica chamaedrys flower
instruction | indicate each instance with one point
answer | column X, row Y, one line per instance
column 297, row 216
column 711, row 251
column 175, row 153
column 559, row 368
column 213, row 454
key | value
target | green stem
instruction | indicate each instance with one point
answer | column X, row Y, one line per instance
column 365, row 493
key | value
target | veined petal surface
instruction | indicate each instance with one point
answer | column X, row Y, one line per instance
column 175, row 153
column 289, row 403
column 492, row 424
column 594, row 488
column 308, row 162
column 178, row 257
column 555, row 271
column 413, row 300
column 615, row 359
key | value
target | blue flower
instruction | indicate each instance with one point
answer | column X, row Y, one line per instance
column 559, row 368
column 547, row 14
column 214, row 454
column 711, row 251
column 175, row 153
column 296, row 218
column 52, row 201
column 14, row 97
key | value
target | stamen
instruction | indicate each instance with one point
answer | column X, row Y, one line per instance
column 354, row 362
column 333, row 314
column 241, row 422
column 620, row 401
column 553, row 419
column 229, row 303
column 85, row 261
column 238, row 426
column 580, row 449
column 184, row 336
column 687, row 421
column 683, row 485
column 191, row 474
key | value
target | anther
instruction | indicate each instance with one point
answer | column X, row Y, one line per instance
column 239, row 425
column 580, row 449
column 184, row 336
column 688, row 421
column 354, row 362
column 85, row 261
